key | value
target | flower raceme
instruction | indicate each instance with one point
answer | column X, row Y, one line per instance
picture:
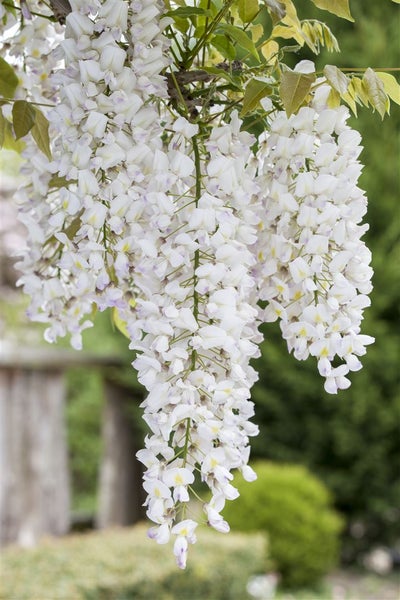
column 187, row 232
column 198, row 331
column 315, row 271
column 106, row 137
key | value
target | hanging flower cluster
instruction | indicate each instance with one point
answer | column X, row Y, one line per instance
column 31, row 46
column 315, row 271
column 106, row 139
column 196, row 308
column 195, row 232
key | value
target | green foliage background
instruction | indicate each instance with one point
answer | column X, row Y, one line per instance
column 352, row 441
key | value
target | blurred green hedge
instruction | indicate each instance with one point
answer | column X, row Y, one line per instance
column 123, row 564
column 295, row 510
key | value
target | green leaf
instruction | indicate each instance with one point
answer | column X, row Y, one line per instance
column 234, row 82
column 224, row 46
column 336, row 78
column 255, row 91
column 23, row 115
column 58, row 182
column 74, row 227
column 2, row 129
column 240, row 37
column 340, row 8
column 40, row 133
column 182, row 25
column 183, row 12
column 390, row 83
column 376, row 91
column 10, row 8
column 8, row 79
column 247, row 10
column 294, row 89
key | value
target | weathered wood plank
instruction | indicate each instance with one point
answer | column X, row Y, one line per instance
column 43, row 358
column 34, row 474
column 120, row 486
column 34, row 477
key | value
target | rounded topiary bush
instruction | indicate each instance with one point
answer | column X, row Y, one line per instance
column 294, row 508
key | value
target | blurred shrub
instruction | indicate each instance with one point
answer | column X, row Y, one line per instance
column 85, row 400
column 294, row 508
column 124, row 564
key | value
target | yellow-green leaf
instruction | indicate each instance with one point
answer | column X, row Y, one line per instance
column 333, row 100
column 336, row 78
column 348, row 97
column 294, row 89
column 247, row 10
column 340, row 8
column 328, row 39
column 310, row 33
column 291, row 17
column 391, row 85
column 8, row 79
column 288, row 32
column 257, row 31
column 23, row 115
column 376, row 91
column 255, row 91
column 270, row 51
column 318, row 34
column 240, row 37
column 119, row 323
column 2, row 129
column 358, row 91
column 40, row 133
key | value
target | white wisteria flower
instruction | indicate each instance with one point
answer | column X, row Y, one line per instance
column 314, row 269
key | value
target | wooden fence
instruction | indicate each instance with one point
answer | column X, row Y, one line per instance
column 35, row 490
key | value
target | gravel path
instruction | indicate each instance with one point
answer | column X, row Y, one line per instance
column 353, row 586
